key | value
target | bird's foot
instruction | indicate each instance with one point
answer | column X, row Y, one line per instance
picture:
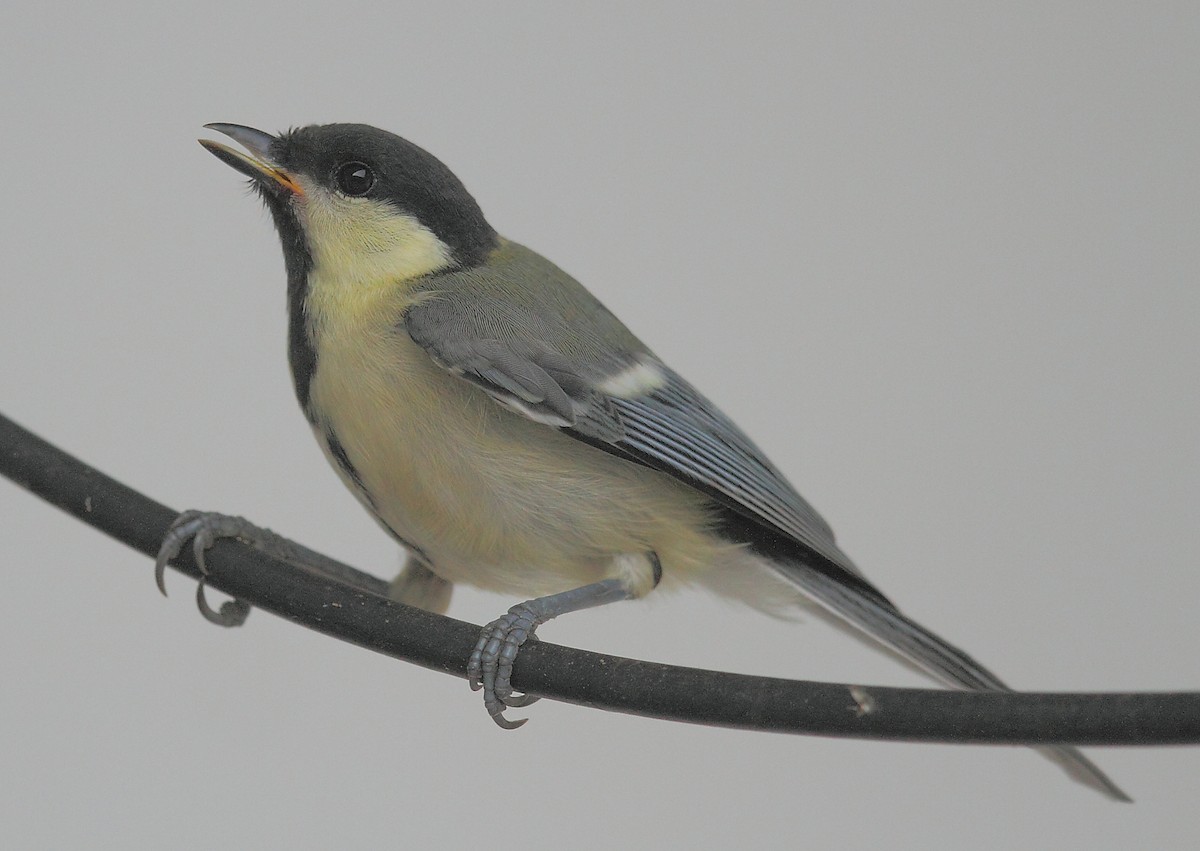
column 203, row 529
column 491, row 663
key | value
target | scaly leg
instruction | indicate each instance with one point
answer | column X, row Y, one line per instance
column 491, row 663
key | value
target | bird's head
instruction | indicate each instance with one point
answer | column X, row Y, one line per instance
column 360, row 200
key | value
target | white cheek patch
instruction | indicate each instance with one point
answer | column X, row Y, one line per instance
column 643, row 377
column 364, row 241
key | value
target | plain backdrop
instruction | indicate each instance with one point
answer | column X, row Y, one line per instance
column 940, row 261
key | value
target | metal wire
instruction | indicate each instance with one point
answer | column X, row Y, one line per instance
column 350, row 606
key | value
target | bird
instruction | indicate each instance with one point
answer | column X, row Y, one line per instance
column 510, row 433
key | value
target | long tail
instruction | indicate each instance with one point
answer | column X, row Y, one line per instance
column 876, row 617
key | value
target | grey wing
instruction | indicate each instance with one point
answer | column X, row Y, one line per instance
column 676, row 429
column 660, row 420
column 521, row 371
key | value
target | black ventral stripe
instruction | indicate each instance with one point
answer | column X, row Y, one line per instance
column 302, row 355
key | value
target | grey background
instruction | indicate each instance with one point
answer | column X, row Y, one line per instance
column 941, row 262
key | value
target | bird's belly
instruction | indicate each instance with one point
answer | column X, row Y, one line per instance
column 490, row 498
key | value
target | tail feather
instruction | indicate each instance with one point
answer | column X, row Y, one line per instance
column 883, row 623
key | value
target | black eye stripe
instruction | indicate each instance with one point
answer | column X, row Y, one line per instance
column 354, row 178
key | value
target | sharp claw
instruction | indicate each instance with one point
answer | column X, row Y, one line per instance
column 160, row 574
column 171, row 545
column 474, row 683
column 516, row 701
column 505, row 724
column 495, row 709
column 200, row 527
column 210, row 614
column 232, row 613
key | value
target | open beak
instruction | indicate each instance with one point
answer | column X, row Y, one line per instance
column 257, row 164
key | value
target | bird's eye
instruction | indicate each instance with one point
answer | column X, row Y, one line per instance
column 355, row 178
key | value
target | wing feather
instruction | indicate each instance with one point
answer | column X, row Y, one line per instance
column 680, row 429
column 667, row 424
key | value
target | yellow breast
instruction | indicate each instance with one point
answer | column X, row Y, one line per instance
column 493, row 498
